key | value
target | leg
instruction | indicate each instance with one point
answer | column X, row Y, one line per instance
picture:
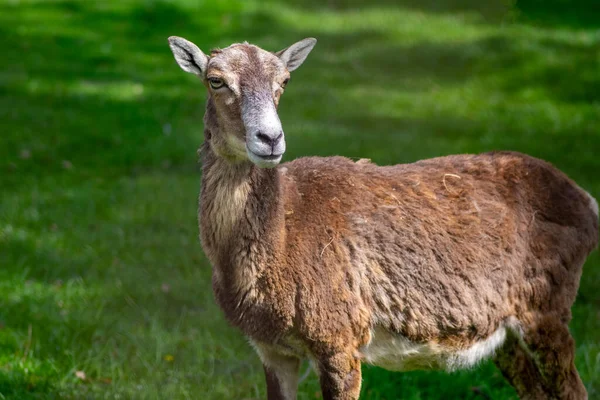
column 520, row 370
column 280, row 386
column 340, row 377
column 554, row 350
column 281, row 373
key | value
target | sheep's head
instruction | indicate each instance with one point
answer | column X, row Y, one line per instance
column 245, row 84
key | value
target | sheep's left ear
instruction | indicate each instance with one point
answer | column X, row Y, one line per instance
column 295, row 55
column 189, row 57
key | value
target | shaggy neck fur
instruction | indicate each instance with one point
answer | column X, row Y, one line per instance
column 241, row 214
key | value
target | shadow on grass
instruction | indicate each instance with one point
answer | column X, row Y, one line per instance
column 572, row 14
column 492, row 11
column 575, row 14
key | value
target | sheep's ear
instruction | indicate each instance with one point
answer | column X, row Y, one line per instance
column 295, row 55
column 189, row 57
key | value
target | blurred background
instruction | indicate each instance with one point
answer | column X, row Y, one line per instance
column 104, row 290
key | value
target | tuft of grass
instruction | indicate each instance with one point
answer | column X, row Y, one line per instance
column 104, row 290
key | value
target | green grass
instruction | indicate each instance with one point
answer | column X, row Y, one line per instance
column 101, row 271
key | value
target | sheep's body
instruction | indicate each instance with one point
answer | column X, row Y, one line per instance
column 436, row 264
column 395, row 352
column 440, row 257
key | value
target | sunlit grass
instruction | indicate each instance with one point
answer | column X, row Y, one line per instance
column 104, row 290
column 393, row 21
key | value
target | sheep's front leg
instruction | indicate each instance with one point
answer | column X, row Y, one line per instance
column 340, row 377
column 281, row 373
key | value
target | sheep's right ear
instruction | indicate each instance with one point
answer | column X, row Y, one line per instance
column 189, row 57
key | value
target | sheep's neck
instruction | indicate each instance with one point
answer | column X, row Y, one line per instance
column 240, row 213
column 242, row 223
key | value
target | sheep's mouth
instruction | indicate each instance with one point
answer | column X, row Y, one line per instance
column 264, row 160
column 271, row 157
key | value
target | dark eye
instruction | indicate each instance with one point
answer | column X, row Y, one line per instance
column 284, row 84
column 216, row 83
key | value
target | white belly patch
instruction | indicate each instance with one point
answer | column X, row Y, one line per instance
column 394, row 352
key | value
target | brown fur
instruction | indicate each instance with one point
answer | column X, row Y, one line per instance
column 309, row 257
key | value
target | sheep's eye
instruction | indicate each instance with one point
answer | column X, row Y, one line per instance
column 216, row 83
column 284, row 84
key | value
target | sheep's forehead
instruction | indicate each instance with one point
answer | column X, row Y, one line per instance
column 246, row 64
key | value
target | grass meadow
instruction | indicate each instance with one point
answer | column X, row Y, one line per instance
column 104, row 289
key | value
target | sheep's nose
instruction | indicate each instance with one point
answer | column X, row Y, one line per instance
column 271, row 140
